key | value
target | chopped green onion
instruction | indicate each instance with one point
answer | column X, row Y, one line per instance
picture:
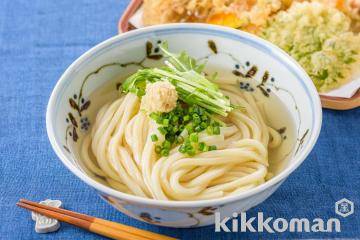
column 189, row 128
column 162, row 130
column 202, row 147
column 191, row 152
column 157, row 149
column 153, row 116
column 182, row 148
column 180, row 139
column 198, row 129
column 212, row 147
column 174, row 119
column 188, row 145
column 170, row 137
column 216, row 130
column 186, row 118
column 175, row 129
column 154, row 138
column 169, row 128
column 209, row 130
column 166, row 144
column 165, row 122
column 194, row 137
column 165, row 152
column 203, row 125
column 216, row 124
column 194, row 119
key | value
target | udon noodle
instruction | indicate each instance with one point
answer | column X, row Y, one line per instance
column 119, row 149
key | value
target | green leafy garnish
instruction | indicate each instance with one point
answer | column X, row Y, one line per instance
column 185, row 74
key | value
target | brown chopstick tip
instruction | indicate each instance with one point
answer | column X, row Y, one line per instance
column 96, row 225
column 22, row 200
column 19, row 204
column 24, row 205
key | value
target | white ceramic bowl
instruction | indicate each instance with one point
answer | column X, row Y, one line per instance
column 226, row 49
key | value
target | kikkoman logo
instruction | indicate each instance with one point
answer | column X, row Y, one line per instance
column 241, row 222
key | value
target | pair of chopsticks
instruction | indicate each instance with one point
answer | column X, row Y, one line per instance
column 96, row 225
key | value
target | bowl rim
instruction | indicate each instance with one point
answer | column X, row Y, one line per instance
column 297, row 160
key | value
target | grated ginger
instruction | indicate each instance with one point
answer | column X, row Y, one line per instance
column 159, row 97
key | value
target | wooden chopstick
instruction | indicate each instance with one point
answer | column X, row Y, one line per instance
column 118, row 226
column 96, row 225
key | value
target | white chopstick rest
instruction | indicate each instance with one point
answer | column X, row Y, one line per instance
column 44, row 224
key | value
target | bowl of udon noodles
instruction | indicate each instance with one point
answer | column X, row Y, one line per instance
column 174, row 123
